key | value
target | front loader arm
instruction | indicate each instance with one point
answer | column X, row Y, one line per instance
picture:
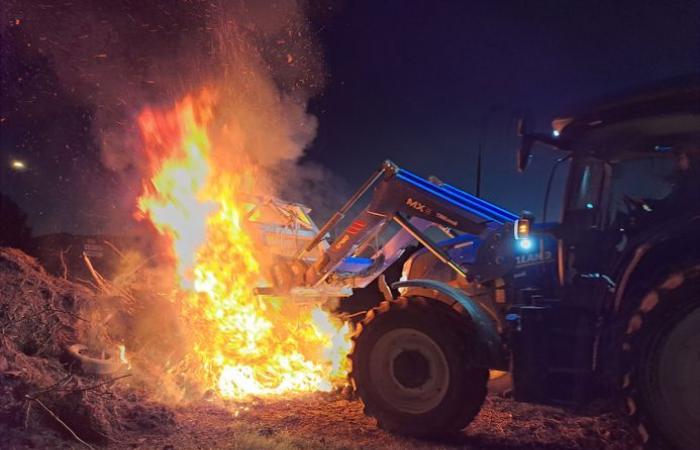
column 397, row 194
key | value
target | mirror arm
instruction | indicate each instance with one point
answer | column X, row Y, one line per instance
column 544, row 139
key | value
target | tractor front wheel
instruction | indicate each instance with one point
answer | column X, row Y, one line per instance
column 411, row 368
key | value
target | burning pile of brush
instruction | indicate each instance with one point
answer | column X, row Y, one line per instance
column 237, row 343
column 182, row 327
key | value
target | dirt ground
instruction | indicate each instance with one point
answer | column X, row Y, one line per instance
column 327, row 421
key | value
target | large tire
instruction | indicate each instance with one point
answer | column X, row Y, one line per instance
column 410, row 368
column 662, row 385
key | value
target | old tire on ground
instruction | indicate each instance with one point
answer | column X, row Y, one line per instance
column 410, row 367
column 663, row 383
column 105, row 364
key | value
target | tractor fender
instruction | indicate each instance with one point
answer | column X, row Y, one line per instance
column 490, row 352
column 657, row 249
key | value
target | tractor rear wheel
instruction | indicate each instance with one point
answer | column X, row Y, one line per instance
column 663, row 385
column 411, row 369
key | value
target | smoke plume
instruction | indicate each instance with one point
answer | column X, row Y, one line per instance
column 118, row 57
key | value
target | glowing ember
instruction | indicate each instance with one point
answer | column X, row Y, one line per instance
column 240, row 344
column 122, row 355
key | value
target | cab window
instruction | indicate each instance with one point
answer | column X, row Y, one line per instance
column 584, row 203
column 648, row 190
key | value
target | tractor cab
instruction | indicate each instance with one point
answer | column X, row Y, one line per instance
column 631, row 211
column 635, row 167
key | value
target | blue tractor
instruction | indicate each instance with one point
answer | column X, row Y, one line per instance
column 605, row 301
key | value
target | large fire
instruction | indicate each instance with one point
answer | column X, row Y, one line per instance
column 241, row 344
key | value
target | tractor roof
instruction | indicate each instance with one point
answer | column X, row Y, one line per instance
column 661, row 118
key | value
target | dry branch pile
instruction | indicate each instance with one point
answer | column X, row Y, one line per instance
column 44, row 391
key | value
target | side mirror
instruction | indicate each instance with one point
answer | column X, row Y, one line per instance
column 528, row 139
column 525, row 147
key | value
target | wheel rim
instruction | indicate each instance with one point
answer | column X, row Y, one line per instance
column 409, row 370
column 679, row 371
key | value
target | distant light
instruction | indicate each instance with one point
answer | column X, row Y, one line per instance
column 18, row 165
column 525, row 244
column 663, row 148
column 589, row 205
column 555, row 133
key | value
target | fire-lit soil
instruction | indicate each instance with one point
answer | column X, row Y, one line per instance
column 328, row 421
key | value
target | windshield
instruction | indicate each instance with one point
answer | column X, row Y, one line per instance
column 628, row 192
column 647, row 188
column 638, row 180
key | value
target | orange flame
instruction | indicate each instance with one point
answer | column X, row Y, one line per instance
column 241, row 344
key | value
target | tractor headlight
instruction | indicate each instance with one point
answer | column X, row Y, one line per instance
column 525, row 244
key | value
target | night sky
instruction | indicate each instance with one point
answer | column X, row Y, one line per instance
column 418, row 82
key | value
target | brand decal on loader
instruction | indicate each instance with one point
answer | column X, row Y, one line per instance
column 418, row 206
column 533, row 258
